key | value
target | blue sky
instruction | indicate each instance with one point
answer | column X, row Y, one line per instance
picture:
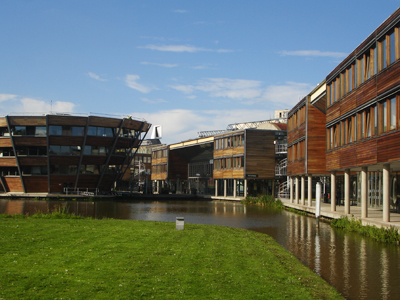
column 186, row 65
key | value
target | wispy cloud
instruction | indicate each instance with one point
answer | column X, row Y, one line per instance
column 183, row 48
column 224, row 87
column 131, row 81
column 95, row 76
column 154, row 101
column 313, row 53
column 181, row 11
column 248, row 91
column 5, row 97
column 160, row 65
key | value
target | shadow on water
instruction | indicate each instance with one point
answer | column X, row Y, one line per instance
column 358, row 267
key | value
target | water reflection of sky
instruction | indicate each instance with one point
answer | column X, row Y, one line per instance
column 358, row 267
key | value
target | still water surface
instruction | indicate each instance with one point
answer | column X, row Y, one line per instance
column 358, row 267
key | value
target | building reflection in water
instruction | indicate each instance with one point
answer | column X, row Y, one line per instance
column 358, row 267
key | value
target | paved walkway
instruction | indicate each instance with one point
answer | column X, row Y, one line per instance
column 375, row 216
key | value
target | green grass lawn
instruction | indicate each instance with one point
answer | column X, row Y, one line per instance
column 108, row 259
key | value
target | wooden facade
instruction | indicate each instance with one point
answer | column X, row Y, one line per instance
column 307, row 135
column 51, row 152
column 245, row 154
column 363, row 105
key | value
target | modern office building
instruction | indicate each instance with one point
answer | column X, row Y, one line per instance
column 57, row 153
column 228, row 163
column 362, row 126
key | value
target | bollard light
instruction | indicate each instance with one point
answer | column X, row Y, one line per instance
column 180, row 223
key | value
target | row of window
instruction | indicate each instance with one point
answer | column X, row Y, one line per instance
column 65, row 130
column 59, row 150
column 298, row 118
column 296, row 151
column 382, row 54
column 143, row 159
column 57, row 170
column 159, row 154
column 229, row 163
column 34, row 151
column 229, row 142
column 159, row 169
column 375, row 120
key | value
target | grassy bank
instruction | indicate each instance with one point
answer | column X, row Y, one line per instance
column 105, row 259
column 385, row 235
column 265, row 200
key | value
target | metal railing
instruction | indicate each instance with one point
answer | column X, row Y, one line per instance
column 81, row 191
column 280, row 148
column 281, row 168
column 283, row 190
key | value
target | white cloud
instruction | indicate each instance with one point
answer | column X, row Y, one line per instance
column 289, row 93
column 5, row 97
column 183, row 48
column 224, row 87
column 155, row 101
column 131, row 81
column 18, row 104
column 180, row 11
column 95, row 76
column 248, row 91
column 179, row 124
column 160, row 65
column 314, row 53
column 35, row 106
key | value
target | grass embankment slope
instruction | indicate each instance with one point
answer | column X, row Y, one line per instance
column 107, row 259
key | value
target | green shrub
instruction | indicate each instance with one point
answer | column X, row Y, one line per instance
column 264, row 200
column 385, row 235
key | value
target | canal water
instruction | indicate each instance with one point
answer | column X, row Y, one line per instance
column 358, row 267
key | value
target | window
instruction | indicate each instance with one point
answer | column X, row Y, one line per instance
column 392, row 113
column 376, row 118
column 382, row 54
column 392, row 47
column 349, row 130
column 368, row 122
column 383, row 117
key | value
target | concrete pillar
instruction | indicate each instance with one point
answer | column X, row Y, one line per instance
column 216, row 187
column 380, row 189
column 296, row 198
column 309, row 183
column 245, row 188
column 303, row 189
column 224, row 187
column 333, row 191
column 364, row 208
column 234, row 188
column 347, row 191
column 386, row 193
column 291, row 189
column 369, row 189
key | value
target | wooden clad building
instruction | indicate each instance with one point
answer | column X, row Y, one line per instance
column 306, row 143
column 50, row 153
column 245, row 160
column 362, row 121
